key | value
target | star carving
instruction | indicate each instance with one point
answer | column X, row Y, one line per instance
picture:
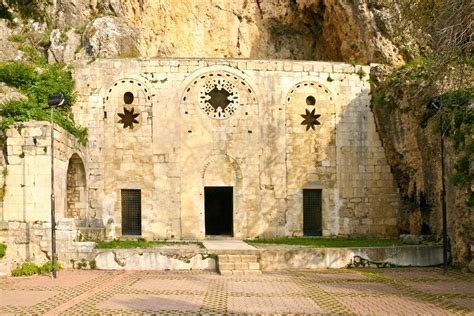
column 310, row 119
column 128, row 117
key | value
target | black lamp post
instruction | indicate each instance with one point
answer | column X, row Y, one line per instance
column 437, row 104
column 54, row 100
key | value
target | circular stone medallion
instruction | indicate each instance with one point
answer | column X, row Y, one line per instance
column 219, row 98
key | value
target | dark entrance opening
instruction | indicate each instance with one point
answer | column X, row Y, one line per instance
column 218, row 204
column 312, row 212
column 131, row 212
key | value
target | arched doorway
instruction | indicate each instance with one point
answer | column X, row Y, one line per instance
column 76, row 206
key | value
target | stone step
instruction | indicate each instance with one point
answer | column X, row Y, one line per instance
column 238, row 264
column 240, row 272
column 237, row 258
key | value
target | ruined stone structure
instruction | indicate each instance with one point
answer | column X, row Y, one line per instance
column 185, row 148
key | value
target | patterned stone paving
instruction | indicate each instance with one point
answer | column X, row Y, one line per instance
column 356, row 291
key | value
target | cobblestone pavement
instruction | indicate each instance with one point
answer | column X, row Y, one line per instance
column 356, row 291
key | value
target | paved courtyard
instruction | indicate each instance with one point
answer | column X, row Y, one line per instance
column 365, row 291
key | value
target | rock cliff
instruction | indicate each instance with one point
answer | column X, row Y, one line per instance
column 345, row 30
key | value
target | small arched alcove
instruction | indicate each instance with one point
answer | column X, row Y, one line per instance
column 76, row 199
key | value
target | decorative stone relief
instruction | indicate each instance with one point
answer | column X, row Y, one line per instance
column 310, row 119
column 219, row 98
column 127, row 99
column 220, row 94
column 310, row 116
column 128, row 117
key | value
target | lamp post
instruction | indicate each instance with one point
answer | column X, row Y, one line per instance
column 437, row 104
column 54, row 100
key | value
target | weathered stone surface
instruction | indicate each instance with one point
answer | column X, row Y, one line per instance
column 305, row 258
column 8, row 93
column 110, row 260
column 8, row 50
column 414, row 153
column 63, row 46
column 28, row 173
column 410, row 239
column 305, row 30
column 260, row 149
column 109, row 36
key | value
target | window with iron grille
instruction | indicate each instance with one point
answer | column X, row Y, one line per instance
column 131, row 212
column 312, row 212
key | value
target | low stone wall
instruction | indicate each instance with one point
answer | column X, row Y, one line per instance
column 154, row 259
column 282, row 258
column 31, row 242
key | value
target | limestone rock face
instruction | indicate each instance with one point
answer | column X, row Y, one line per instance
column 304, row 29
column 110, row 37
column 8, row 49
column 73, row 13
column 8, row 93
column 414, row 155
column 63, row 46
column 358, row 31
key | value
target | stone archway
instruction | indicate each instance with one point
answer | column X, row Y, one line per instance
column 76, row 200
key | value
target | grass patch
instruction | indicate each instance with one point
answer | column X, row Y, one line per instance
column 3, row 249
column 316, row 242
column 17, row 38
column 130, row 244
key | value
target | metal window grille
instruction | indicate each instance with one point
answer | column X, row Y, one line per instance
column 312, row 212
column 131, row 212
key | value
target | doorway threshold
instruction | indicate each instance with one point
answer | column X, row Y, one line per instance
column 219, row 237
column 227, row 244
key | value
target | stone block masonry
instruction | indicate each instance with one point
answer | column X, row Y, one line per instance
column 187, row 148
column 28, row 172
column 238, row 264
column 271, row 130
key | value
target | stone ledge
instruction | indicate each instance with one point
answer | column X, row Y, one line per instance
column 283, row 258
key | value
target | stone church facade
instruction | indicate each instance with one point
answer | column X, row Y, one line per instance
column 191, row 148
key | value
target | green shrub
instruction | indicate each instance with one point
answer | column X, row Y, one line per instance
column 470, row 200
column 32, row 9
column 82, row 264
column 18, row 74
column 33, row 54
column 92, row 264
column 37, row 86
column 29, row 268
column 48, row 267
column 3, row 249
column 462, row 175
column 26, row 269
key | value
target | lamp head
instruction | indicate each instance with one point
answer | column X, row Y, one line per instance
column 57, row 99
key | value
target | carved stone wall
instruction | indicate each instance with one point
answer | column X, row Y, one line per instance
column 268, row 129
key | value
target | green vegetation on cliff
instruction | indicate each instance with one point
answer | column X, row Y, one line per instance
column 3, row 249
column 37, row 83
column 409, row 89
column 31, row 9
column 442, row 68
